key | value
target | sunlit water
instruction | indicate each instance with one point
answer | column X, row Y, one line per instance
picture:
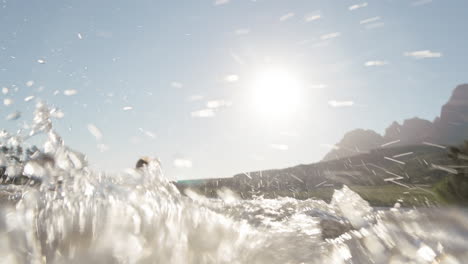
column 81, row 216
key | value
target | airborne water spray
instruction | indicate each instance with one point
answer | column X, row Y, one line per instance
column 78, row 215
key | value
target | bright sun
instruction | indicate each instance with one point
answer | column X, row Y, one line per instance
column 276, row 93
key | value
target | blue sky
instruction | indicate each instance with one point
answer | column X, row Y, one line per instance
column 175, row 79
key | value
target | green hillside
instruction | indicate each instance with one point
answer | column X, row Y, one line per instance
column 408, row 174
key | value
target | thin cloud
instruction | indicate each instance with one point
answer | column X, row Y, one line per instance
column 330, row 36
column 361, row 5
column 204, row 113
column 287, row 16
column 183, row 163
column 221, row 2
column 304, row 42
column 257, row 158
column 289, row 134
column 423, row 54
column 231, row 78
column 318, row 86
column 177, row 84
column 194, row 98
column 312, row 17
column 375, row 63
column 334, row 103
column 369, row 20
column 242, row 31
column 282, row 147
column 421, row 2
column 104, row 34
column 216, row 104
column 375, row 25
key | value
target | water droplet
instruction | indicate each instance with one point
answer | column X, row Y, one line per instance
column 95, row 131
column 70, row 92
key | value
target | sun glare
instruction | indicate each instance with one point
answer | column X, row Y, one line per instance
column 276, row 93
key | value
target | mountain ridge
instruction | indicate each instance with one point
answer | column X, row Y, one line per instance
column 407, row 162
column 450, row 128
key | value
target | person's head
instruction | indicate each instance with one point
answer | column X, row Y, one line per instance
column 147, row 162
column 142, row 162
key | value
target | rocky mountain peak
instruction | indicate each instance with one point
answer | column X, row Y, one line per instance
column 448, row 129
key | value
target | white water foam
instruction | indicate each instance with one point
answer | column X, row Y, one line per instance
column 78, row 215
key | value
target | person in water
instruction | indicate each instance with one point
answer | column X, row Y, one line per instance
column 145, row 161
column 142, row 162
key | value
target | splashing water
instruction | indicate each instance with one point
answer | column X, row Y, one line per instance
column 77, row 215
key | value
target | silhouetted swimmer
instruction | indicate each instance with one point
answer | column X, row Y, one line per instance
column 145, row 161
column 142, row 162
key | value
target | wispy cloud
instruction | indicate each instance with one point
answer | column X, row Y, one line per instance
column 318, row 86
column 203, row 113
column 421, row 2
column 183, row 163
column 375, row 63
column 104, row 34
column 287, row 16
column 194, row 98
column 231, row 78
column 279, row 147
column 289, row 134
column 304, row 42
column 216, row 104
column 423, row 54
column 375, row 25
column 242, row 31
column 257, row 157
column 369, row 20
column 221, row 2
column 176, row 84
column 334, row 103
column 312, row 17
column 330, row 36
column 357, row 6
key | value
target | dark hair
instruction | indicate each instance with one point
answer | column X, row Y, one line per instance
column 140, row 163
